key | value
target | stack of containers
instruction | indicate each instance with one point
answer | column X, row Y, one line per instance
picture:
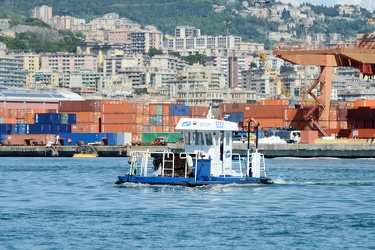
column 121, row 116
column 87, row 115
column 52, row 123
column 164, row 117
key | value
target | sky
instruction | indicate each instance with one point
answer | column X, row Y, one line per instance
column 368, row 4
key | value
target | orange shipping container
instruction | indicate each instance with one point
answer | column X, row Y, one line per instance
column 308, row 136
column 333, row 125
column 159, row 128
column 136, row 138
column 118, row 118
column 364, row 103
column 85, row 128
column 114, row 128
column 30, row 118
column 343, row 124
column 269, row 111
column 10, row 120
column 152, row 128
column 146, row 119
column 274, row 102
column 121, row 107
column 18, row 139
column 166, row 109
column 86, row 117
column 270, row 123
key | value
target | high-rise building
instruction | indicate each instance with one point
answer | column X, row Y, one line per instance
column 12, row 73
column 43, row 13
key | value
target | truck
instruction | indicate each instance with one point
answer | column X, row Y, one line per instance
column 289, row 135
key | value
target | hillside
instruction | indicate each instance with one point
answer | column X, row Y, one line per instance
column 167, row 14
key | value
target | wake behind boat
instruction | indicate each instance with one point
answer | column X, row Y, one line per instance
column 207, row 160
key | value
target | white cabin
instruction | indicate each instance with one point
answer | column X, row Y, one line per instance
column 212, row 139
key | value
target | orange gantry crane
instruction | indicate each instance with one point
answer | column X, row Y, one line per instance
column 360, row 55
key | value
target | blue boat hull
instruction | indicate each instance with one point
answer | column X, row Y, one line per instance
column 191, row 182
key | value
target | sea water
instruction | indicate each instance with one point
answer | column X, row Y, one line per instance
column 69, row 203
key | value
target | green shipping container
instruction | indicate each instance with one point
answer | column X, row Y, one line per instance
column 170, row 137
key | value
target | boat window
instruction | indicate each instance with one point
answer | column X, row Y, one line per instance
column 199, row 139
column 227, row 137
column 187, row 138
column 208, row 138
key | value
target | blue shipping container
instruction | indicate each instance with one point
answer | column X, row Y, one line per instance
column 85, row 137
column 65, row 128
column 48, row 118
column 179, row 110
column 34, row 128
column 233, row 117
column 55, row 129
column 46, row 129
column 72, row 118
column 21, row 129
column 5, row 128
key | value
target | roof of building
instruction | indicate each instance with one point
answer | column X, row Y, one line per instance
column 22, row 94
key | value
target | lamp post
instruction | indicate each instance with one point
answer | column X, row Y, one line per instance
column 227, row 24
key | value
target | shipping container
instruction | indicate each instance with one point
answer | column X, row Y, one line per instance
column 85, row 128
column 364, row 103
column 84, row 117
column 34, row 129
column 132, row 128
column 121, row 139
column 179, row 110
column 5, row 128
column 23, row 139
column 308, row 136
column 48, row 118
column 268, row 111
column 233, row 117
column 110, row 118
column 73, row 138
column 79, row 106
column 156, row 120
column 156, row 109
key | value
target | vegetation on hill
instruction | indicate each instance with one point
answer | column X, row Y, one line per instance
column 167, row 14
column 33, row 42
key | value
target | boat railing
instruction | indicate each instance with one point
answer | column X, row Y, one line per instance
column 189, row 157
column 168, row 157
column 236, row 163
column 250, row 168
column 135, row 164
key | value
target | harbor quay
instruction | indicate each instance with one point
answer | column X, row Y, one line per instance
column 345, row 150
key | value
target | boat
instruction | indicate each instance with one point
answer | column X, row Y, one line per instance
column 207, row 158
column 84, row 155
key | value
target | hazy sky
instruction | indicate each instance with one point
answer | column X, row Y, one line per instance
column 369, row 4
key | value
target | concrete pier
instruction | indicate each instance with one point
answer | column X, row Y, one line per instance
column 350, row 150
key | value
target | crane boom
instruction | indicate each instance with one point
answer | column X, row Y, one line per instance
column 280, row 84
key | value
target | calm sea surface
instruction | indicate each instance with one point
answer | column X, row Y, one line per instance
column 67, row 203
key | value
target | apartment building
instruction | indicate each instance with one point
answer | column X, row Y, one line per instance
column 67, row 63
column 65, row 22
column 47, row 79
column 142, row 41
column 43, row 13
column 31, row 63
column 12, row 73
column 83, row 79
